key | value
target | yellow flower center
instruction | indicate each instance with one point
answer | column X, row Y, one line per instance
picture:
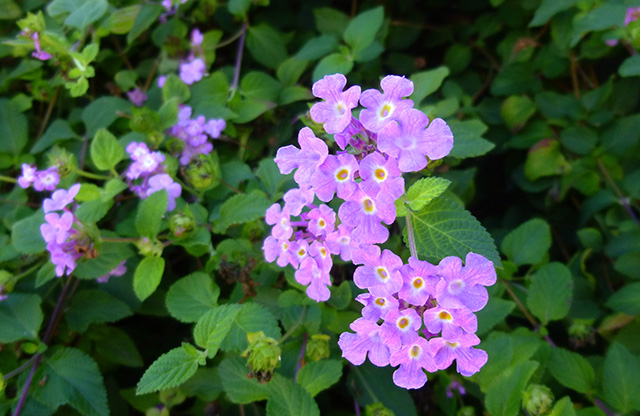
column 382, row 272
column 385, row 111
column 368, row 205
column 322, row 223
column 415, row 351
column 380, row 301
column 403, row 323
column 342, row 174
column 380, row 174
column 323, row 251
column 445, row 316
column 418, row 282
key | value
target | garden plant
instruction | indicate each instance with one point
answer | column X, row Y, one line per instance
column 292, row 208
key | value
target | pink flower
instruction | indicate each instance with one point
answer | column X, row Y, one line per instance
column 46, row 179
column 382, row 108
column 335, row 110
column 137, row 97
column 28, row 176
column 164, row 181
column 60, row 198
column 193, row 71
column 412, row 359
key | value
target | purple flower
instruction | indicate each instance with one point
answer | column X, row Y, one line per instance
column 633, row 14
column 400, row 328
column 164, row 181
column 118, row 271
column 380, row 274
column 137, row 97
column 56, row 229
column 450, row 321
column 312, row 153
column 60, row 198
column 278, row 249
column 364, row 213
column 46, row 179
column 145, row 162
column 335, row 111
column 419, row 281
column 347, row 135
column 376, row 307
column 161, row 80
column 300, row 251
column 297, row 198
column 193, row 71
column 465, row 286
column 316, row 278
column 410, row 141
column 215, row 127
column 366, row 340
column 28, row 176
column 196, row 38
column 341, row 242
column 321, row 220
column 63, row 256
column 382, row 108
column 335, row 175
column 281, row 221
column 468, row 360
column 381, row 177
column 39, row 53
column 412, row 359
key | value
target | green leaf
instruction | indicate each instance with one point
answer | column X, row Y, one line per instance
column 518, row 78
column 516, row 110
column 626, row 300
column 620, row 381
column 266, row 45
column 290, row 71
column 287, row 398
column 332, row 64
column 630, row 67
column 239, row 7
column 13, row 128
column 330, row 21
column 93, row 211
column 149, row 216
column 214, row 326
column 427, row 82
column 148, row 276
column 316, row 48
column 319, row 375
column 120, row 22
column 240, row 388
column 467, row 138
column 260, row 86
column 170, row 370
column 110, row 255
column 572, row 370
column 106, row 152
column 25, row 234
column 81, row 12
column 548, row 9
column 115, row 345
column 241, row 208
column 73, row 378
column 362, row 30
column 60, row 129
column 504, row 395
column 89, row 306
column 425, row 190
column 545, row 159
column 628, row 264
column 253, row 317
column 9, row 10
column 529, row 243
column 550, row 292
column 443, row 228
column 147, row 16
column 563, row 407
column 102, row 112
column 493, row 313
column 600, row 18
column 270, row 175
column 174, row 88
column 341, row 296
column 21, row 317
column 192, row 296
column 370, row 384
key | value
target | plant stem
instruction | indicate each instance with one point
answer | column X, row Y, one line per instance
column 623, row 200
column 47, row 115
column 412, row 240
column 91, row 175
column 8, row 179
column 28, row 271
column 232, row 38
column 236, row 71
column 53, row 323
column 524, row 310
column 300, row 357
column 294, row 326
column 120, row 239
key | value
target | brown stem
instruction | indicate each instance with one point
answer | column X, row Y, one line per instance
column 47, row 115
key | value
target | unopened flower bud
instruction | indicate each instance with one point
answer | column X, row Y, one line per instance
column 581, row 332
column 467, row 411
column 182, row 222
column 204, row 173
column 263, row 355
column 158, row 410
column 537, row 399
column 378, row 409
column 155, row 137
column 317, row 347
column 148, row 247
column 143, row 120
column 64, row 161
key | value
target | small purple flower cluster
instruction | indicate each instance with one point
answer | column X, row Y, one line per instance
column 193, row 68
column 43, row 180
column 171, row 7
column 389, row 138
column 193, row 133
column 147, row 167
column 137, row 97
column 39, row 53
column 117, row 272
column 633, row 14
column 58, row 232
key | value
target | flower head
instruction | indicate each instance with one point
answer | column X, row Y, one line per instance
column 335, row 110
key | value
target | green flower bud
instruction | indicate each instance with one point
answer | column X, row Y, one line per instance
column 148, row 247
column 29, row 347
column 253, row 230
column 172, row 397
column 581, row 332
column 317, row 347
column 63, row 160
column 537, row 399
column 263, row 355
column 158, row 410
column 378, row 409
column 182, row 222
column 203, row 173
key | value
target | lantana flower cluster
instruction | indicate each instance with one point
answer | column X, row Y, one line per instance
column 195, row 133
column 42, row 180
column 406, row 305
column 147, row 174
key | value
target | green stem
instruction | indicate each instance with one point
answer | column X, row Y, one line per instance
column 8, row 179
column 410, row 236
column 120, row 239
column 91, row 175
column 28, row 271
column 294, row 326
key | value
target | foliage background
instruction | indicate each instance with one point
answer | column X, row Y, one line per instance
column 546, row 122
